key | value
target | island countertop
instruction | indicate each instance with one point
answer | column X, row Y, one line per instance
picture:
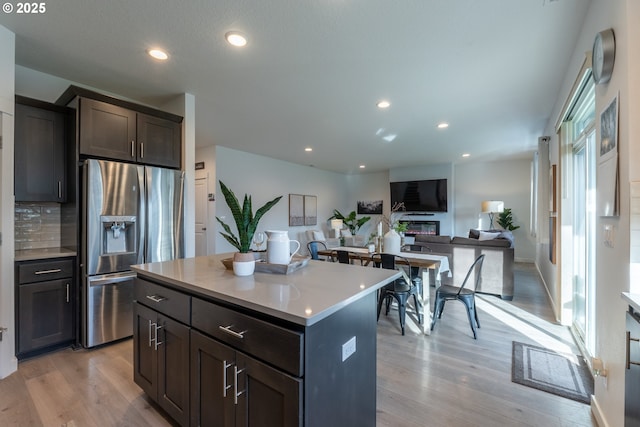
column 304, row 297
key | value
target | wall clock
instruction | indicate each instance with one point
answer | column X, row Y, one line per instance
column 603, row 56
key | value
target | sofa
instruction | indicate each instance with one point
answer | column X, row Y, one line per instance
column 497, row 269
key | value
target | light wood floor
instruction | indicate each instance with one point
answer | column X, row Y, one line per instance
column 446, row 379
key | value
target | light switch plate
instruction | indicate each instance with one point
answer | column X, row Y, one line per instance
column 348, row 348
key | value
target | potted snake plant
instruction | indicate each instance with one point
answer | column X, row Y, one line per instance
column 246, row 224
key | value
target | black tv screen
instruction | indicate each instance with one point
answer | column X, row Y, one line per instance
column 420, row 196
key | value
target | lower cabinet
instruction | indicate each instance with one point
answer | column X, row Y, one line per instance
column 209, row 364
column 229, row 388
column 45, row 306
column 161, row 361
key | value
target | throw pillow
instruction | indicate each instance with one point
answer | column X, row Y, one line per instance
column 319, row 235
column 484, row 235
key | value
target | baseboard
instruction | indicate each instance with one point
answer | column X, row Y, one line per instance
column 546, row 289
column 597, row 413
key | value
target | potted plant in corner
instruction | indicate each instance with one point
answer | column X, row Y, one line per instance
column 246, row 223
column 505, row 220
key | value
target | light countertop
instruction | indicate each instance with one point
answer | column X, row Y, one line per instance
column 45, row 253
column 305, row 296
column 632, row 299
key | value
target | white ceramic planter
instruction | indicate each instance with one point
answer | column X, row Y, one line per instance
column 243, row 264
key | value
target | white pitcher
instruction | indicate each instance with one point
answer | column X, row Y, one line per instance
column 279, row 247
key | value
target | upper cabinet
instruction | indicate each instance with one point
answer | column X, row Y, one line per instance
column 40, row 151
column 114, row 129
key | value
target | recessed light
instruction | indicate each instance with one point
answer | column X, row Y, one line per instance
column 383, row 104
column 308, row 149
column 158, row 54
column 362, row 166
column 236, row 39
column 466, row 155
column 443, row 125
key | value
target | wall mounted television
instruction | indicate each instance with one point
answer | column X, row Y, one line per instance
column 420, row 196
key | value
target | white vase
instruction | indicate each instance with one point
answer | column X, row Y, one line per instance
column 244, row 264
column 391, row 242
column 279, row 247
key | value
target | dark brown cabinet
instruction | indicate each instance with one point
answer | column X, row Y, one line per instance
column 632, row 371
column 40, row 151
column 45, row 306
column 230, row 388
column 161, row 360
column 114, row 132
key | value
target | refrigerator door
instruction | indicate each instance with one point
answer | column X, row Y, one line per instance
column 165, row 209
column 113, row 217
column 108, row 308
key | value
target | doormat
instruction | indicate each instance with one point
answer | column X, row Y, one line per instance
column 565, row 375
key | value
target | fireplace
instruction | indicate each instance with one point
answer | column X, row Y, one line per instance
column 422, row 227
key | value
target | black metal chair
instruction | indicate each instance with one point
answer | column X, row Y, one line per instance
column 314, row 246
column 399, row 289
column 465, row 295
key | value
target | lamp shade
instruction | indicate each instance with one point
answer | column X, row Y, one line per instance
column 336, row 224
column 492, row 206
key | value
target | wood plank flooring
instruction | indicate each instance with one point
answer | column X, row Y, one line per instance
column 446, row 379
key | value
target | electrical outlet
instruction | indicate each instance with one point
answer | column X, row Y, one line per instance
column 348, row 348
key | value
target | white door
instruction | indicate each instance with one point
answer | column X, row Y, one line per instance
column 201, row 216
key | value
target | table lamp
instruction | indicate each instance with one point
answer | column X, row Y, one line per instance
column 336, row 226
column 491, row 207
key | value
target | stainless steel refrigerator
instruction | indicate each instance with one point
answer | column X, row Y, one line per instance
column 132, row 214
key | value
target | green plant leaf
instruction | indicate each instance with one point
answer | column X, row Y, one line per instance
column 246, row 222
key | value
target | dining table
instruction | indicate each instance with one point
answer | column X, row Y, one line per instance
column 425, row 262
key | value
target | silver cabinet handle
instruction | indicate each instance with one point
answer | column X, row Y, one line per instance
column 225, row 387
column 55, row 270
column 59, row 189
column 157, row 343
column 156, row 298
column 133, row 149
column 150, row 339
column 67, row 292
column 142, row 150
column 629, row 339
column 228, row 330
column 236, row 393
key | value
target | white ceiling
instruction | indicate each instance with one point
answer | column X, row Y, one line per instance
column 314, row 69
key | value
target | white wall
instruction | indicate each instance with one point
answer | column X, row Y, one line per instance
column 612, row 271
column 264, row 179
column 508, row 181
column 8, row 361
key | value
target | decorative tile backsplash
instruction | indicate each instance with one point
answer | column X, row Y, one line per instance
column 37, row 225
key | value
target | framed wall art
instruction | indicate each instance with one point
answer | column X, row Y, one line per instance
column 296, row 209
column 370, row 207
column 310, row 210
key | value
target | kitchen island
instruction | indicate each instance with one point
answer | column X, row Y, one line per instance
column 299, row 349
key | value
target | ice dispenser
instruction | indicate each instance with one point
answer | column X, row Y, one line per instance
column 118, row 234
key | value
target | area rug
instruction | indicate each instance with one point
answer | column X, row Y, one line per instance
column 565, row 375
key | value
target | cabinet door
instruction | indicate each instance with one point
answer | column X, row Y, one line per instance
column 107, row 130
column 39, row 155
column 267, row 397
column 173, row 368
column 212, row 387
column 45, row 314
column 159, row 141
column 145, row 361
column 632, row 373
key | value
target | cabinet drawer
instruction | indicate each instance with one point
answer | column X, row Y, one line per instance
column 273, row 344
column 39, row 271
column 163, row 300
